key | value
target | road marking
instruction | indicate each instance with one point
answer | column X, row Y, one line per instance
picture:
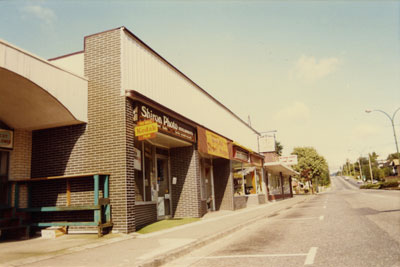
column 257, row 256
column 297, row 219
column 321, row 217
column 311, row 256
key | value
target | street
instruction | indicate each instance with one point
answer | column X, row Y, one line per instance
column 343, row 227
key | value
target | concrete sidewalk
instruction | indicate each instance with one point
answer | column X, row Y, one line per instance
column 152, row 249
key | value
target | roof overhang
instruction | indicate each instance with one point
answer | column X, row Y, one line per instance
column 278, row 167
column 36, row 94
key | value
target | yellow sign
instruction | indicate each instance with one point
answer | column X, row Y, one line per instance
column 146, row 129
column 217, row 145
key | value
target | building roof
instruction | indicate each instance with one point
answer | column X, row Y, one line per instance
column 279, row 167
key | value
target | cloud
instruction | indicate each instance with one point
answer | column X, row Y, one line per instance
column 310, row 69
column 297, row 112
column 44, row 14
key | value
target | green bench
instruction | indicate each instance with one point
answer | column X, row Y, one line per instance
column 101, row 206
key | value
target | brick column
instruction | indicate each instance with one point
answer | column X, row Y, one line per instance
column 185, row 165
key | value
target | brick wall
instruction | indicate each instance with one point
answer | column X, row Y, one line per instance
column 185, row 165
column 20, row 156
column 60, row 151
column 240, row 202
column 132, row 214
column 223, row 184
column 20, row 163
column 101, row 145
column 145, row 214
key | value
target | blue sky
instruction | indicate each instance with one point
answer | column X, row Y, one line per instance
column 306, row 69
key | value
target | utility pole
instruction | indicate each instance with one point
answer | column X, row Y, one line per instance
column 370, row 169
column 359, row 162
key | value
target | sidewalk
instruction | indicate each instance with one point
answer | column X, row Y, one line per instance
column 152, row 249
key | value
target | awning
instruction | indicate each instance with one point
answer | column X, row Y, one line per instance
column 278, row 167
column 35, row 94
column 168, row 141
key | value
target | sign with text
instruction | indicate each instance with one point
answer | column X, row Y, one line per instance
column 240, row 154
column 165, row 122
column 217, row 145
column 6, row 139
column 146, row 129
column 267, row 143
column 288, row 160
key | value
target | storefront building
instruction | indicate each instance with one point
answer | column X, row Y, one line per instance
column 118, row 109
column 249, row 182
column 279, row 179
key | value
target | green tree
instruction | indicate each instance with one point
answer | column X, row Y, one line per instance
column 392, row 156
column 311, row 165
column 279, row 148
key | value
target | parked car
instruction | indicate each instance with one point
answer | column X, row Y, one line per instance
column 359, row 182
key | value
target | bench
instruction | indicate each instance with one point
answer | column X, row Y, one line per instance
column 101, row 206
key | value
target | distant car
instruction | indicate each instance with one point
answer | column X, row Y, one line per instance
column 359, row 182
column 374, row 181
column 347, row 178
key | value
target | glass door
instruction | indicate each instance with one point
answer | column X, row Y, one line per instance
column 163, row 181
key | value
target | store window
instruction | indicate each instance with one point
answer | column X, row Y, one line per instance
column 238, row 180
column 259, row 180
column 274, row 184
column 144, row 171
column 286, row 185
column 247, row 179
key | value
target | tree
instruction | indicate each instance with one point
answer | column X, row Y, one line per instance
column 311, row 165
column 279, row 148
column 392, row 156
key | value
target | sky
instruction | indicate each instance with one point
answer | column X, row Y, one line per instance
column 307, row 69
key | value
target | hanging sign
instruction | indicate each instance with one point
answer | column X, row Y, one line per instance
column 6, row 139
column 267, row 143
column 146, row 129
column 165, row 122
column 288, row 160
column 217, row 145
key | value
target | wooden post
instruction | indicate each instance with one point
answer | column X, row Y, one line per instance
column 68, row 193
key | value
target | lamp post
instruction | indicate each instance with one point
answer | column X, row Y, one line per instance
column 392, row 121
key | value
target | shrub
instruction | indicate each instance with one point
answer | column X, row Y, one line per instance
column 389, row 184
column 370, row 186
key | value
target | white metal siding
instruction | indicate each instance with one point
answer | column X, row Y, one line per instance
column 68, row 88
column 73, row 63
column 146, row 73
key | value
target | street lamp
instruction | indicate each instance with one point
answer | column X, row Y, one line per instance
column 392, row 121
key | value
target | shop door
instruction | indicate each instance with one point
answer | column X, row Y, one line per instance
column 209, row 184
column 3, row 177
column 163, row 181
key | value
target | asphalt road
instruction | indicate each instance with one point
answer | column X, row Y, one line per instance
column 343, row 227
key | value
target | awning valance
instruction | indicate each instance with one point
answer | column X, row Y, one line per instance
column 279, row 167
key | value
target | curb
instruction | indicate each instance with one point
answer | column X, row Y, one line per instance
column 186, row 249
